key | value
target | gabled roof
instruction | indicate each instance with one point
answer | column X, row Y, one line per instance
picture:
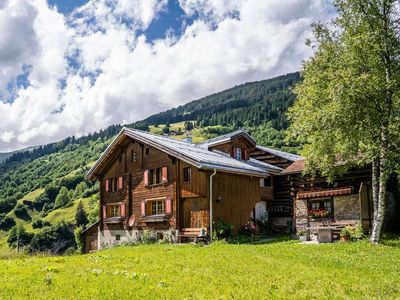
column 279, row 153
column 197, row 156
column 295, row 168
column 227, row 138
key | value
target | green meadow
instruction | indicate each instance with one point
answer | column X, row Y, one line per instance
column 284, row 269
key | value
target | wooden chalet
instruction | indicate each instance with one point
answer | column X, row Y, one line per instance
column 152, row 182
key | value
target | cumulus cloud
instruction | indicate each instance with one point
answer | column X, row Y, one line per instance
column 95, row 67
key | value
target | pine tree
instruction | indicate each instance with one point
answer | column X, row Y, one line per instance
column 81, row 216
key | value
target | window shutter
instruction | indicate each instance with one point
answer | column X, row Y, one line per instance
column 143, row 208
column 120, row 182
column 107, row 185
column 232, row 151
column 168, row 205
column 146, row 177
column 246, row 154
column 104, row 212
column 164, row 174
column 122, row 210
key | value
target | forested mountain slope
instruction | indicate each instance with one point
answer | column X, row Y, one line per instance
column 253, row 102
column 42, row 186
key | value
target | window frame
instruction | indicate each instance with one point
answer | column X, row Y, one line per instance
column 187, row 174
column 113, row 211
column 238, row 153
column 322, row 205
column 156, row 207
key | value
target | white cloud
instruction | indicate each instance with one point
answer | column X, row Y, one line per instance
column 120, row 77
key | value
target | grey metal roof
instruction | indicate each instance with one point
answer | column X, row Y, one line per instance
column 226, row 138
column 198, row 156
column 285, row 155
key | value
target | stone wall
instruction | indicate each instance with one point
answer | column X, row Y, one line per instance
column 347, row 208
column 301, row 212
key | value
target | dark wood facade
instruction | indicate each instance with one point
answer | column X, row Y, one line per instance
column 142, row 187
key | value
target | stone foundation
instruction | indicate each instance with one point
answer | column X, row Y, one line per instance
column 109, row 238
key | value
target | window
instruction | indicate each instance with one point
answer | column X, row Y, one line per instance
column 321, row 208
column 238, row 153
column 158, row 175
column 151, row 177
column 113, row 211
column 157, row 207
column 133, row 155
column 120, row 158
column 147, row 151
column 115, row 184
column 118, row 237
column 268, row 181
column 187, row 174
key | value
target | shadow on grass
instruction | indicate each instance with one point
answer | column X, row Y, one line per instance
column 259, row 240
column 391, row 239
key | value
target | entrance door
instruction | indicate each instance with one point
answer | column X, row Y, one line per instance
column 194, row 213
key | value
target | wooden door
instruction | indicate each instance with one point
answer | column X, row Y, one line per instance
column 194, row 213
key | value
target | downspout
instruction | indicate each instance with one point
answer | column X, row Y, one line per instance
column 211, row 201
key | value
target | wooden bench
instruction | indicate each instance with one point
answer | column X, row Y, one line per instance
column 190, row 234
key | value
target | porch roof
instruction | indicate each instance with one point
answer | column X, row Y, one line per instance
column 325, row 193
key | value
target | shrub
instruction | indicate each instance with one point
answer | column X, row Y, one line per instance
column 62, row 198
column 148, row 237
column 6, row 222
column 354, row 233
column 7, row 204
column 21, row 212
column 222, row 229
column 40, row 223
column 19, row 238
column 56, row 239
column 79, row 240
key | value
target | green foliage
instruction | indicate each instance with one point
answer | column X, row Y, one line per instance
column 40, row 223
column 266, row 135
column 62, row 198
column 80, row 189
column 6, row 222
column 79, row 239
column 21, row 212
column 19, row 238
column 148, row 237
column 355, row 233
column 166, row 129
column 81, row 219
column 7, row 204
column 188, row 125
column 253, row 102
column 222, row 229
column 55, row 239
column 348, row 104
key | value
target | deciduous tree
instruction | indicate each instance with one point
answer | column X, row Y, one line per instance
column 347, row 111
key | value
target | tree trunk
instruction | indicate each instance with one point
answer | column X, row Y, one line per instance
column 379, row 182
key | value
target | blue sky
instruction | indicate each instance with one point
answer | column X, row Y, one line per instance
column 74, row 67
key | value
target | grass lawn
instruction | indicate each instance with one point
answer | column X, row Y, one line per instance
column 221, row 271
